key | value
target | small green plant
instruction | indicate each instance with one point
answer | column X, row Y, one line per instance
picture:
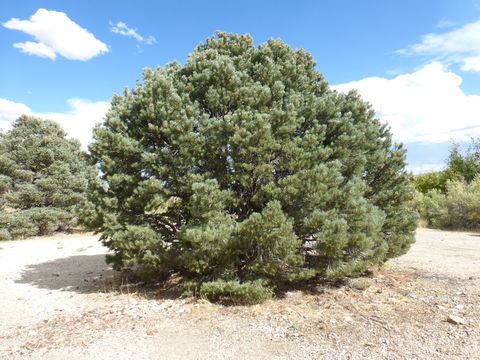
column 248, row 293
column 294, row 327
column 152, row 331
column 81, row 249
column 360, row 284
column 389, row 265
column 189, row 288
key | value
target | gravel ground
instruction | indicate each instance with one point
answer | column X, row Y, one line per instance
column 59, row 300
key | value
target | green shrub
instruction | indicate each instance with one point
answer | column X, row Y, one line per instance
column 248, row 293
column 34, row 221
column 458, row 208
column 5, row 234
column 17, row 225
column 49, row 220
column 242, row 165
column 436, row 180
column 359, row 284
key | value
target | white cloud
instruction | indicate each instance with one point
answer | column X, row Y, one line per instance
column 10, row 110
column 33, row 48
column 425, row 168
column 424, row 106
column 81, row 119
column 56, row 34
column 471, row 63
column 457, row 46
column 122, row 29
column 78, row 122
column 444, row 24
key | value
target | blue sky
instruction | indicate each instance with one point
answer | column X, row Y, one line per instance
column 417, row 62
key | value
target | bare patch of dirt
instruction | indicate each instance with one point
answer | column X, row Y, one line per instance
column 60, row 300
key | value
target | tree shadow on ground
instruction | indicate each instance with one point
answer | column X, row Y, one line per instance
column 78, row 273
column 88, row 274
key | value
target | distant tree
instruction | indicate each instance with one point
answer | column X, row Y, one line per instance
column 463, row 166
column 242, row 168
column 435, row 180
column 43, row 178
column 459, row 167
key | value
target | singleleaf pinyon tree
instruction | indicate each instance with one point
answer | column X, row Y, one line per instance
column 242, row 168
column 43, row 178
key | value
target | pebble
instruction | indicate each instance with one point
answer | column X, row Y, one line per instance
column 456, row 320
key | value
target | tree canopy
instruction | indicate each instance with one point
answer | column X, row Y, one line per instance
column 242, row 168
column 43, row 177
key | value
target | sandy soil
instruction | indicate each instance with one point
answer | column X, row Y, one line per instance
column 60, row 300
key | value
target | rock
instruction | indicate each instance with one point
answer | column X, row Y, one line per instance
column 456, row 320
column 347, row 319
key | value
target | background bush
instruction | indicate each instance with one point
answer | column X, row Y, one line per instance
column 242, row 168
column 449, row 199
column 43, row 179
column 458, row 208
column 435, row 180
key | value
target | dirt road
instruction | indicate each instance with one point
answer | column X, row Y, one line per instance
column 60, row 300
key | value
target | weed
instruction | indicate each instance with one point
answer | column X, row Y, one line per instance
column 360, row 284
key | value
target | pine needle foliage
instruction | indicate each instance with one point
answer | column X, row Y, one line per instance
column 242, row 168
column 43, row 178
